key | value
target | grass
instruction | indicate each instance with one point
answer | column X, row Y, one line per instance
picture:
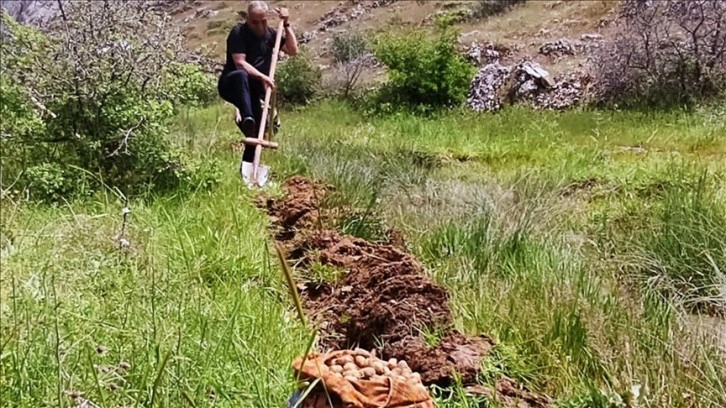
column 194, row 308
column 574, row 239
column 580, row 239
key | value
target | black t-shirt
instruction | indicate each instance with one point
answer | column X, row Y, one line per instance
column 258, row 51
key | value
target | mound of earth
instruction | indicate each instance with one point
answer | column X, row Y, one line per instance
column 383, row 302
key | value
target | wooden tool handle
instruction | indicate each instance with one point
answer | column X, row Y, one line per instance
column 255, row 141
column 268, row 93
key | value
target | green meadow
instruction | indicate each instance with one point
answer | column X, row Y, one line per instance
column 590, row 244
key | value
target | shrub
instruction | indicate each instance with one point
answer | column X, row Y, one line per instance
column 52, row 182
column 349, row 47
column 95, row 89
column 188, row 85
column 423, row 72
column 669, row 53
column 298, row 80
column 351, row 57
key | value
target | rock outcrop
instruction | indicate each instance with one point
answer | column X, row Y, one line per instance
column 525, row 82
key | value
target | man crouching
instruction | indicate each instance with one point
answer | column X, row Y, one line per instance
column 245, row 76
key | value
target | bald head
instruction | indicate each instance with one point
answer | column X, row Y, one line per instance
column 257, row 7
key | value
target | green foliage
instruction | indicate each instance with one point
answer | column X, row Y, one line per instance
column 21, row 120
column 593, row 398
column 188, row 85
column 298, row 79
column 120, row 326
column 53, row 182
column 423, row 72
column 349, row 46
column 103, row 106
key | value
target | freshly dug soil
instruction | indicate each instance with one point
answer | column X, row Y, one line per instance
column 299, row 209
column 384, row 301
column 383, row 296
column 453, row 352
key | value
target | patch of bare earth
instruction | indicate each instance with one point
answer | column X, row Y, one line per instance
column 385, row 301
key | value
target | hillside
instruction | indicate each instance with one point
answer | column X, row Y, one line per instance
column 552, row 33
column 521, row 31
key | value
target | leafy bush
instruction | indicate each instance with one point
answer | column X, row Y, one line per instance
column 52, row 182
column 95, row 89
column 669, row 53
column 423, row 72
column 298, row 80
column 188, row 85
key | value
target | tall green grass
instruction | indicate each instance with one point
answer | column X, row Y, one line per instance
column 556, row 233
column 192, row 312
column 678, row 248
column 572, row 238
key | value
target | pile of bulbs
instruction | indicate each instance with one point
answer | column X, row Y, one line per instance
column 363, row 365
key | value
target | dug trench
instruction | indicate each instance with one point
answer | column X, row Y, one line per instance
column 384, row 300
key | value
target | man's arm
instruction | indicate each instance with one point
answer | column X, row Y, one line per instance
column 290, row 45
column 238, row 49
column 241, row 63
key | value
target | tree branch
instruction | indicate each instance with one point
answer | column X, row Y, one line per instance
column 125, row 142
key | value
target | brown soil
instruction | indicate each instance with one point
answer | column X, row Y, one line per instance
column 384, row 302
column 299, row 209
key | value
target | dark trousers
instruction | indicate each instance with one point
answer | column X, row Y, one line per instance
column 238, row 89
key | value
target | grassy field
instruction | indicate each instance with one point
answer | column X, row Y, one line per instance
column 584, row 242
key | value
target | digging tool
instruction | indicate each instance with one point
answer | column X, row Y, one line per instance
column 257, row 174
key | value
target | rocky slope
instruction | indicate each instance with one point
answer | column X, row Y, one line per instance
column 532, row 53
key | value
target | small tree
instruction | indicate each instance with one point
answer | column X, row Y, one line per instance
column 422, row 71
column 98, row 85
column 351, row 57
column 667, row 53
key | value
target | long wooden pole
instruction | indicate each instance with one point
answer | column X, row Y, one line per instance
column 265, row 108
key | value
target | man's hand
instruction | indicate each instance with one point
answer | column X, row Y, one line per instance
column 290, row 47
column 267, row 81
column 237, row 116
column 283, row 13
